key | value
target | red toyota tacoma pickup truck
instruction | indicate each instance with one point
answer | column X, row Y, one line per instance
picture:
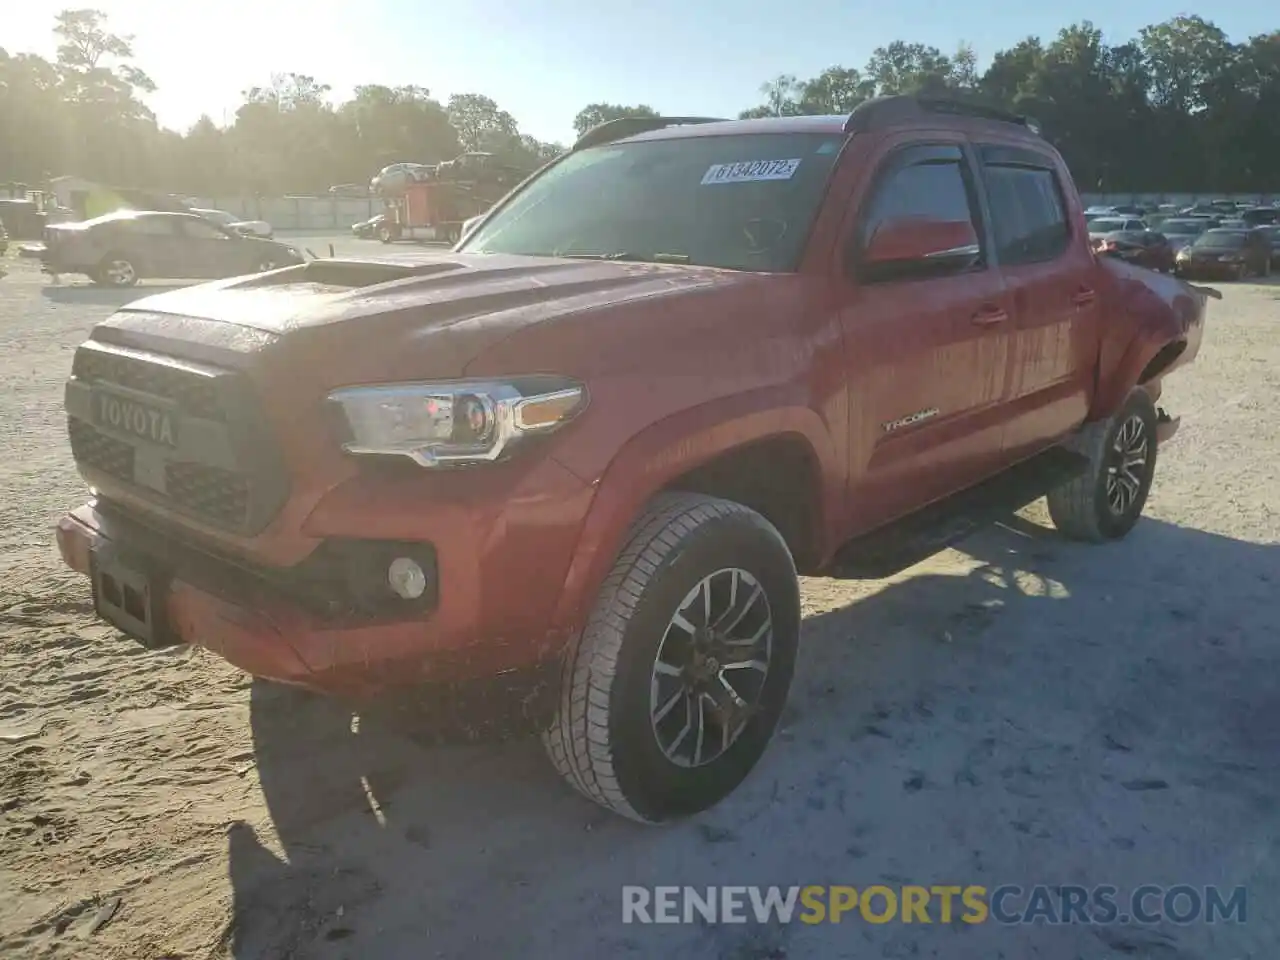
column 676, row 367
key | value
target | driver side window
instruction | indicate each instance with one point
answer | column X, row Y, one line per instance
column 200, row 230
column 933, row 189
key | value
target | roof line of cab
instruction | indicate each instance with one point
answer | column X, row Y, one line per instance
column 876, row 113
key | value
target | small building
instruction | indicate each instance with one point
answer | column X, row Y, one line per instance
column 89, row 199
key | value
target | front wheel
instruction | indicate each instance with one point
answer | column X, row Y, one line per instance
column 1105, row 501
column 671, row 693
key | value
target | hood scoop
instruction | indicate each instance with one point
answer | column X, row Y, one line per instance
column 336, row 275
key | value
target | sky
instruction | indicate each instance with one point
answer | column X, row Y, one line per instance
column 543, row 60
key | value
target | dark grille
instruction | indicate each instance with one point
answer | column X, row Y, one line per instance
column 99, row 451
column 196, row 393
column 226, row 470
column 208, row 492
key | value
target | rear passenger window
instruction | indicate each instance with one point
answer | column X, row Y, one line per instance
column 1027, row 213
column 934, row 189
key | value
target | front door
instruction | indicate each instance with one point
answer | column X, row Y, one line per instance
column 1049, row 273
column 153, row 241
column 207, row 251
column 926, row 358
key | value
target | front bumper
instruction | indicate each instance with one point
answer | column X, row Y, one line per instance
column 249, row 619
column 1208, row 269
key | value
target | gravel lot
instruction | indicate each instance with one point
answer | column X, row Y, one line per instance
column 1021, row 711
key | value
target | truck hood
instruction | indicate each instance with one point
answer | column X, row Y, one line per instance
column 421, row 314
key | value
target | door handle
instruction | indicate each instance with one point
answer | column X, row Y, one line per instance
column 989, row 316
column 1083, row 297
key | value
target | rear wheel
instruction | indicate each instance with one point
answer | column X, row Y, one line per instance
column 1105, row 501
column 116, row 270
column 385, row 234
column 672, row 692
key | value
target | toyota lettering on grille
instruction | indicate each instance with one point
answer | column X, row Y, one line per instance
column 134, row 418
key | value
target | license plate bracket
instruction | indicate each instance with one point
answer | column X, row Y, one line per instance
column 131, row 594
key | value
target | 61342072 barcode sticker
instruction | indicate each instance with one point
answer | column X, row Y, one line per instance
column 747, row 170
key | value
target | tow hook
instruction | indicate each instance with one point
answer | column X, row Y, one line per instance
column 1166, row 426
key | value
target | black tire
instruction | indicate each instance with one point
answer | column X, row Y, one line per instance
column 1084, row 509
column 385, row 235
column 116, row 270
column 604, row 739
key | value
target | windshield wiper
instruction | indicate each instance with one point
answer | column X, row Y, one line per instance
column 601, row 256
column 635, row 257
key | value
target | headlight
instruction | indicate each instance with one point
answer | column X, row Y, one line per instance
column 294, row 252
column 457, row 422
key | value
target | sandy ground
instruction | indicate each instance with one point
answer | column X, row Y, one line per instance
column 1020, row 711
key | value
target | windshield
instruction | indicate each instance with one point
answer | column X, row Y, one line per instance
column 1106, row 225
column 1184, row 227
column 1224, row 239
column 739, row 202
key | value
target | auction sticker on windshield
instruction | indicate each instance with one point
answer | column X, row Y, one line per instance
column 748, row 170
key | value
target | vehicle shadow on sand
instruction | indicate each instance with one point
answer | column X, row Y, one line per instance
column 1049, row 710
column 91, row 294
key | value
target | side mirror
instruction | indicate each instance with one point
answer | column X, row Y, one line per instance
column 910, row 246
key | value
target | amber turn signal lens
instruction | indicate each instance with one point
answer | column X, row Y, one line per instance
column 548, row 410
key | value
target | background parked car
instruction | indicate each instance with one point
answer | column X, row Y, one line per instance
column 229, row 221
column 1093, row 213
column 121, row 248
column 1103, row 225
column 1260, row 216
column 394, row 176
column 1272, row 233
column 1145, row 248
column 1225, row 253
column 368, row 229
column 22, row 219
column 1181, row 231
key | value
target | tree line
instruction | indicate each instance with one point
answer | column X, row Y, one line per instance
column 1178, row 108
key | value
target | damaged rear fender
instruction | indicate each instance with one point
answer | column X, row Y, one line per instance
column 1152, row 325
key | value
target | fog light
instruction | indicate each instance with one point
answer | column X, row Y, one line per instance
column 406, row 578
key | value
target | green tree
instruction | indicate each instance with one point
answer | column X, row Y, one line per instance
column 594, row 114
column 479, row 123
column 834, row 90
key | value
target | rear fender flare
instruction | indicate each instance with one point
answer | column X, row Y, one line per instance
column 666, row 450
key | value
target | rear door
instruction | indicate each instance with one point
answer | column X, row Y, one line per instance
column 926, row 355
column 1050, row 273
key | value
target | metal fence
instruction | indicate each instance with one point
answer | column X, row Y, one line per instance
column 298, row 213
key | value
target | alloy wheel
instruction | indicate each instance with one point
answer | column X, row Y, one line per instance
column 1126, row 465
column 120, row 272
column 711, row 667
